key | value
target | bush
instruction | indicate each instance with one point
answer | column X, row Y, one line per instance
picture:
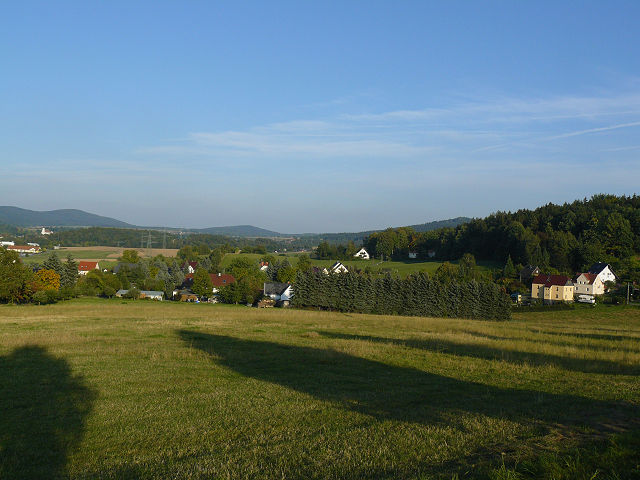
column 52, row 296
column 40, row 298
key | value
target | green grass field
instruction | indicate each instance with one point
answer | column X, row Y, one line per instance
column 119, row 389
column 401, row 269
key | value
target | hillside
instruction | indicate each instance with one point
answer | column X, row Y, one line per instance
column 61, row 218
column 239, row 231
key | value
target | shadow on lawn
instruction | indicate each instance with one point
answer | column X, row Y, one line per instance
column 42, row 413
column 399, row 393
column 490, row 353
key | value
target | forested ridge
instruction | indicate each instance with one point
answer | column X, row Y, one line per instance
column 568, row 237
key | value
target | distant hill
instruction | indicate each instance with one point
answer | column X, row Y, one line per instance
column 22, row 217
column 239, row 231
column 450, row 223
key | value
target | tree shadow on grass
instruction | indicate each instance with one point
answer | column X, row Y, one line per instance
column 43, row 408
column 591, row 336
column 398, row 393
column 490, row 353
column 555, row 341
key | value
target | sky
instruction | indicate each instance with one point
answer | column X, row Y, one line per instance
column 316, row 116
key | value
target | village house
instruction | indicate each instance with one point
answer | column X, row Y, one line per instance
column 413, row 255
column 44, row 231
column 604, row 272
column 190, row 267
column 264, row 266
column 588, row 284
column 280, row 292
column 362, row 253
column 552, row 288
column 431, row 253
column 528, row 273
column 150, row 294
column 24, row 249
column 86, row 267
column 220, row 280
column 338, row 267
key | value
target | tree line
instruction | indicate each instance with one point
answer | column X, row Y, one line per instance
column 416, row 295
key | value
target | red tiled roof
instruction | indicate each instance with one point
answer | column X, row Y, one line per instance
column 591, row 277
column 222, row 279
column 551, row 280
column 86, row 266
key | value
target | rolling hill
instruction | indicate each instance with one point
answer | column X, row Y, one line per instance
column 240, row 231
column 22, row 217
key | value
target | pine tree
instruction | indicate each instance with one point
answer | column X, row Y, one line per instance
column 69, row 275
column 509, row 271
column 54, row 263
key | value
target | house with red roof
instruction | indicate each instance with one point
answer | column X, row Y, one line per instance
column 220, row 280
column 552, row 288
column 190, row 267
column 589, row 284
column 23, row 248
column 86, row 267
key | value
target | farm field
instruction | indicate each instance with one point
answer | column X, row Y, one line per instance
column 106, row 254
column 97, row 388
column 401, row 269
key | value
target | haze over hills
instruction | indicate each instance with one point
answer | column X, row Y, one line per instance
column 239, row 231
column 22, row 217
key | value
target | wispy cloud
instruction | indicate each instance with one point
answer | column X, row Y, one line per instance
column 497, row 128
column 595, row 130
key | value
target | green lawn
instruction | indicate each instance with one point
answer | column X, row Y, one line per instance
column 402, row 269
column 119, row 389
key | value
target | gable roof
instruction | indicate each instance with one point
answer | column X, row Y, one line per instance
column 529, row 270
column 599, row 267
column 275, row 288
column 552, row 280
column 590, row 277
column 86, row 266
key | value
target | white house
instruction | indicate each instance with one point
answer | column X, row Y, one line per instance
column 604, row 272
column 7, row 244
column 588, row 284
column 23, row 248
column 338, row 268
column 280, row 292
column 413, row 255
column 264, row 266
column 44, row 231
column 362, row 253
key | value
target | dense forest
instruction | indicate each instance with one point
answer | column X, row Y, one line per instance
column 567, row 238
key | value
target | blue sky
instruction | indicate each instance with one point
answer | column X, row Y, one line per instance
column 316, row 116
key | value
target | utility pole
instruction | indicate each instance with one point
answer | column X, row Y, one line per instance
column 149, row 244
column 164, row 240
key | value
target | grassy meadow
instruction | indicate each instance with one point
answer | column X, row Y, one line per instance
column 134, row 389
column 400, row 268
